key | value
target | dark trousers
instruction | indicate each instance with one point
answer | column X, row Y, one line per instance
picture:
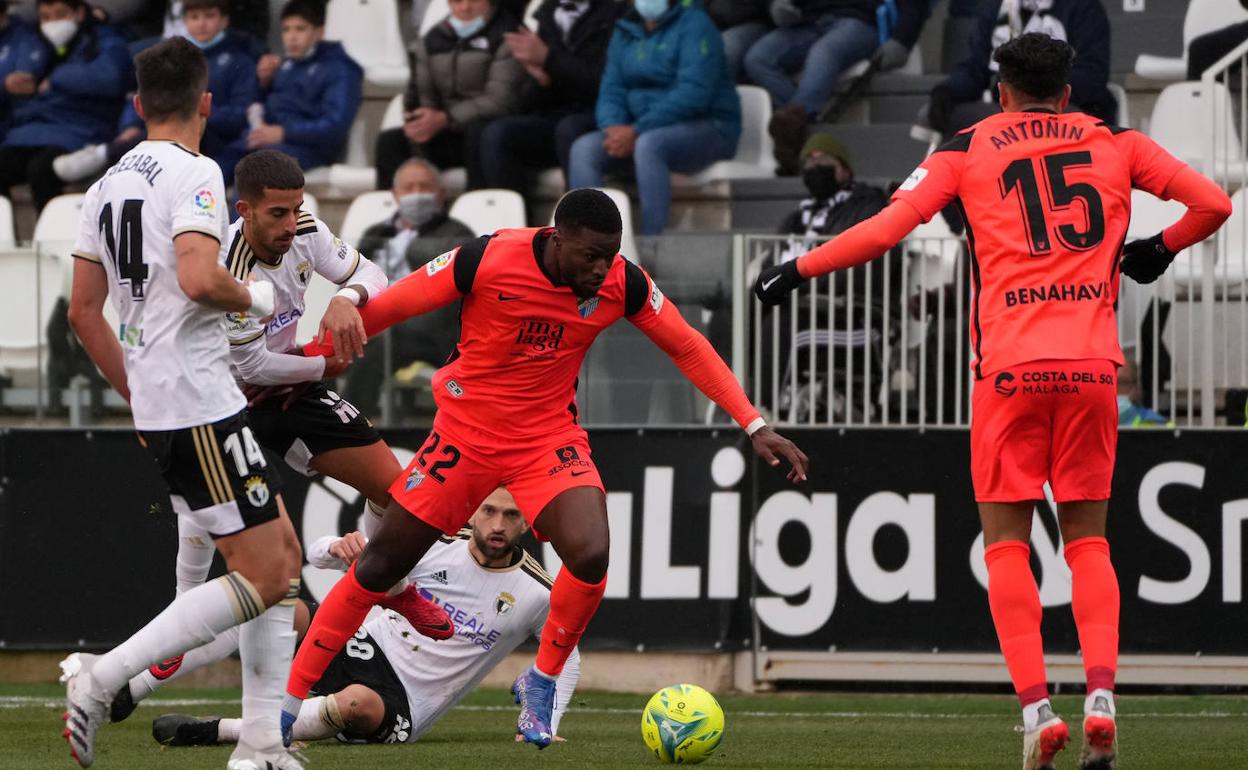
column 449, row 149
column 33, row 166
column 513, row 146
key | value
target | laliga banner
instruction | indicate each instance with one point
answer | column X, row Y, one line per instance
column 879, row 551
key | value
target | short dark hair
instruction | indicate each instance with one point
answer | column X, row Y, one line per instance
column 1035, row 64
column 172, row 76
column 311, row 11
column 204, row 5
column 588, row 209
column 266, row 169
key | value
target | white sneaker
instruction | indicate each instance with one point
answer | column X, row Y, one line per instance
column 81, row 164
column 85, row 710
column 1100, row 738
column 260, row 760
column 1042, row 744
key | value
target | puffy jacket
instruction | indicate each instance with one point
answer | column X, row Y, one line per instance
column 21, row 50
column 673, row 74
column 1085, row 26
column 88, row 89
column 574, row 66
column 315, row 100
column 730, row 13
column 472, row 79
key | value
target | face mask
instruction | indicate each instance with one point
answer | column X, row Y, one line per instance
column 59, row 32
column 651, row 10
column 217, row 38
column 466, row 29
column 418, row 208
column 821, row 181
column 1124, row 403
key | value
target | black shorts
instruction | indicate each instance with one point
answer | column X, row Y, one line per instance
column 319, row 420
column 218, row 475
column 362, row 662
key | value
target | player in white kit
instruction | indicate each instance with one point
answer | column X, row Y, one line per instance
column 149, row 240
column 390, row 686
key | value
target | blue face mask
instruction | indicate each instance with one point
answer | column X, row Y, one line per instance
column 217, row 38
column 466, row 29
column 651, row 10
column 1124, row 404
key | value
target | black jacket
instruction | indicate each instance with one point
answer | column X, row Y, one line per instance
column 731, row 13
column 864, row 201
column 575, row 67
column 911, row 14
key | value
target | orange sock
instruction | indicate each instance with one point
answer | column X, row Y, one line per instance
column 1094, row 601
column 572, row 603
column 337, row 620
column 1015, row 604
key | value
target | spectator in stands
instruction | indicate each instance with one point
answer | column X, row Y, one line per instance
column 563, row 61
column 23, row 59
column 1131, row 409
column 821, row 39
column 666, row 103
column 311, row 97
column 419, row 231
column 836, row 201
column 76, row 102
column 231, row 79
column 160, row 20
column 958, row 102
column 742, row 23
column 465, row 76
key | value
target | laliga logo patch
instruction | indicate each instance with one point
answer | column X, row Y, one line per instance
column 1005, row 384
column 504, row 603
column 414, row 479
column 204, row 200
column 257, row 491
column 587, row 308
column 439, row 263
column 912, row 181
column 656, row 299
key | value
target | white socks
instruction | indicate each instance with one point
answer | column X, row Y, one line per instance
column 192, row 619
column 318, row 719
column 267, row 646
column 1032, row 714
column 1089, row 703
column 220, row 648
column 195, row 550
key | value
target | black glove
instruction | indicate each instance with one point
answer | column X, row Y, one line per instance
column 775, row 283
column 1144, row 261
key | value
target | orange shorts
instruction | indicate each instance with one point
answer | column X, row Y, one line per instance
column 1054, row 421
column 457, row 467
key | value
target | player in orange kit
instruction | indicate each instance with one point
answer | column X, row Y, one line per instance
column 1046, row 200
column 534, row 300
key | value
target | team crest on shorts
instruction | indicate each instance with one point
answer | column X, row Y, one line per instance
column 587, row 308
column 414, row 479
column 504, row 603
column 257, row 491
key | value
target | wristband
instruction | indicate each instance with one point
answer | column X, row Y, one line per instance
column 757, row 424
column 350, row 295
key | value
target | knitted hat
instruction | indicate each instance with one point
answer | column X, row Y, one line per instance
column 828, row 145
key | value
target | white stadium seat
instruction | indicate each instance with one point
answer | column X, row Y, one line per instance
column 1124, row 104
column 311, row 205
column 628, row 244
column 754, row 159
column 365, row 211
column 369, row 30
column 8, row 235
column 486, row 211
column 1202, row 16
column 393, row 117
column 1181, row 123
column 437, row 11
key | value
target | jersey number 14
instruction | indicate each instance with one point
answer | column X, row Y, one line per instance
column 125, row 249
column 1021, row 175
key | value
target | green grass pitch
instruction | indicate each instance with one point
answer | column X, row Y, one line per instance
column 603, row 731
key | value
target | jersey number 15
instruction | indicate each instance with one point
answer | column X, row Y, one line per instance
column 126, row 248
column 1021, row 175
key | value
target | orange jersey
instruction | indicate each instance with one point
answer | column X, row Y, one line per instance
column 523, row 337
column 1046, row 198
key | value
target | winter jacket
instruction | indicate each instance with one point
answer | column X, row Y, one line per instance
column 472, row 79
column 832, row 217
column 731, row 13
column 1082, row 23
column 315, row 100
column 232, row 81
column 673, row 74
column 575, row 66
column 21, row 50
column 88, row 90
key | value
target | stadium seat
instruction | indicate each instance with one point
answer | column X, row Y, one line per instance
column 1203, row 16
column 311, row 205
column 24, row 316
column 393, row 117
column 486, row 211
column 1181, row 123
column 754, row 150
column 437, row 11
column 355, row 174
column 8, row 236
column 55, row 230
column 365, row 211
column 1124, row 104
column 369, row 30
column 628, row 244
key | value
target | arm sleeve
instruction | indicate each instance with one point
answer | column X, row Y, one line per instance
column 200, row 203
column 502, row 85
column 343, row 264
column 934, row 184
column 1151, row 166
column 318, row 554
column 369, row 277
column 699, row 69
column 660, row 320
column 612, row 109
column 87, row 244
column 258, row 365
column 861, row 243
column 338, row 106
column 565, row 686
column 1207, row 208
column 574, row 74
column 420, row 92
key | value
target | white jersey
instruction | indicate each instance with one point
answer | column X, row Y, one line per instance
column 177, row 357
column 494, row 611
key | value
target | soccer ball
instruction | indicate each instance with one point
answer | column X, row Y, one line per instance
column 682, row 724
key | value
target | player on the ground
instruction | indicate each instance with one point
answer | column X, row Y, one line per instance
column 386, row 685
column 151, row 231
column 534, row 299
column 1046, row 198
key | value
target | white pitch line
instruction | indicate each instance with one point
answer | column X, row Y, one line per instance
column 27, row 701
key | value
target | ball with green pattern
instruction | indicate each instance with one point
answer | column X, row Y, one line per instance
column 682, row 724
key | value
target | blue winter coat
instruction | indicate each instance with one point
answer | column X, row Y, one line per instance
column 232, row 81
column 21, row 50
column 315, row 100
column 673, row 74
column 88, row 91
